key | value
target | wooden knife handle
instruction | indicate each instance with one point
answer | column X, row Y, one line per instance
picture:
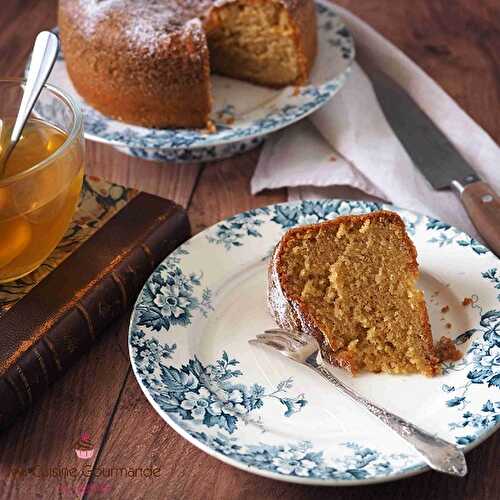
column 483, row 206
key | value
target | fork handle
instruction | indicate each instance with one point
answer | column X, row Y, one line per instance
column 437, row 453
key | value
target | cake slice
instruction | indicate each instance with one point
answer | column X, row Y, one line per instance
column 351, row 282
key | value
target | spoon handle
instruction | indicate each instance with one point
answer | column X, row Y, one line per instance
column 42, row 60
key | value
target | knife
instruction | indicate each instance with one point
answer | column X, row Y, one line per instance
column 437, row 159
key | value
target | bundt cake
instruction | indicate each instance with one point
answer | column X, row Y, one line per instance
column 148, row 62
column 351, row 283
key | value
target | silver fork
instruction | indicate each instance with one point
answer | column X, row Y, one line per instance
column 302, row 348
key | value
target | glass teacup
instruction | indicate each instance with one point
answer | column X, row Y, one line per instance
column 41, row 185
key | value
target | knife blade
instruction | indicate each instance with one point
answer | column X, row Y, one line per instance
column 437, row 159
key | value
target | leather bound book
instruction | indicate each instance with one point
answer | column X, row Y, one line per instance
column 45, row 331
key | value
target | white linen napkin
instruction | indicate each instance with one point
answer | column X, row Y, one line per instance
column 349, row 142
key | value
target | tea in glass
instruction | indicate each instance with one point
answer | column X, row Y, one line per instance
column 39, row 191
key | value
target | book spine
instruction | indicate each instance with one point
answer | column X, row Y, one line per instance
column 66, row 334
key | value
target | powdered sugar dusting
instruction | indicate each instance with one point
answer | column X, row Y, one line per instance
column 144, row 23
column 94, row 11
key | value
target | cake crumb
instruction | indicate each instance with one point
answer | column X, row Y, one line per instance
column 229, row 120
column 333, row 158
column 448, row 325
column 445, row 309
column 296, row 91
column 446, row 350
column 211, row 128
column 467, row 301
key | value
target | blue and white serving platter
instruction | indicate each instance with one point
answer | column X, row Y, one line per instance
column 262, row 413
column 243, row 113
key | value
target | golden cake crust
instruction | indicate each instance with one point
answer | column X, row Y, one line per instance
column 293, row 313
column 146, row 62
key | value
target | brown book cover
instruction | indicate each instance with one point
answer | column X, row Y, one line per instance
column 50, row 318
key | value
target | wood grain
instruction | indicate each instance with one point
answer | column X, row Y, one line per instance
column 167, row 180
column 20, row 21
column 457, row 42
column 220, row 192
column 83, row 401
column 223, row 190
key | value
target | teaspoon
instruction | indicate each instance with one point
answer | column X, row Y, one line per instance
column 42, row 60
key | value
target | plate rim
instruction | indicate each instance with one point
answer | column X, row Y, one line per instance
column 408, row 472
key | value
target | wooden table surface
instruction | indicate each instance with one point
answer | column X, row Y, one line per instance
column 458, row 43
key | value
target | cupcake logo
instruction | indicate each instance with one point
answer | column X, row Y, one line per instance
column 84, row 448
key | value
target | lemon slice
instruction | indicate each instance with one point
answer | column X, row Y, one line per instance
column 15, row 236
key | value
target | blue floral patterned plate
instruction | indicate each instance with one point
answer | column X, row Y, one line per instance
column 243, row 113
column 262, row 413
